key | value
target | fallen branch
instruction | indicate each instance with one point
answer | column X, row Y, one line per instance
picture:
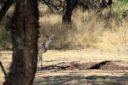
column 97, row 66
column 3, row 70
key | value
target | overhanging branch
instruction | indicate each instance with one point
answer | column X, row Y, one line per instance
column 5, row 8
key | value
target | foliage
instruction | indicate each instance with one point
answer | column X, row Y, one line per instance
column 49, row 22
column 5, row 42
column 120, row 2
column 88, row 30
column 120, row 6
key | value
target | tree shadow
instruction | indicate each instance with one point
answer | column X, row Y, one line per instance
column 72, row 79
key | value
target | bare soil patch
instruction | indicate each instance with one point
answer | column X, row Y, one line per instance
column 78, row 67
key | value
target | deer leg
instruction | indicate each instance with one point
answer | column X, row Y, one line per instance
column 41, row 61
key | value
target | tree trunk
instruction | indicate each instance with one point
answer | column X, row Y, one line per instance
column 71, row 4
column 24, row 38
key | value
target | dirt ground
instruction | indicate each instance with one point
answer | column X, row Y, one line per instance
column 79, row 67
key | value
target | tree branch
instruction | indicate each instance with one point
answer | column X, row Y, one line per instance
column 3, row 70
column 5, row 8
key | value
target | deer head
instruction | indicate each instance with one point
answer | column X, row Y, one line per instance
column 49, row 40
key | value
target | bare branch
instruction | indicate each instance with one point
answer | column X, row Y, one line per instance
column 5, row 8
column 55, row 7
column 3, row 70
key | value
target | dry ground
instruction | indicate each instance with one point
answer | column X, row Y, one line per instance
column 87, row 31
column 75, row 76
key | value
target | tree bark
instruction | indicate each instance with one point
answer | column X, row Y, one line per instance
column 25, row 29
column 71, row 4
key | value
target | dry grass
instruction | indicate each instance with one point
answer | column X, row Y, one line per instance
column 88, row 30
column 1, row 78
column 53, row 77
column 117, row 39
column 5, row 58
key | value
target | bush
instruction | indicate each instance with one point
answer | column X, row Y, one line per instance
column 5, row 41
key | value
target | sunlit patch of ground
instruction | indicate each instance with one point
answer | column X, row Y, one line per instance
column 5, row 58
column 76, row 77
column 84, row 55
column 1, row 77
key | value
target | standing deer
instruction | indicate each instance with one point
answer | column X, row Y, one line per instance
column 43, row 47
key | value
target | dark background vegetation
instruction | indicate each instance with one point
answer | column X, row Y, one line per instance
column 119, row 14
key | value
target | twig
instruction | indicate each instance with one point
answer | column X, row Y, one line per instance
column 3, row 70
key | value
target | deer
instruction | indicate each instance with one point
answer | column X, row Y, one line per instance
column 43, row 47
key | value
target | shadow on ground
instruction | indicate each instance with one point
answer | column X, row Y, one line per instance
column 103, row 65
column 83, row 80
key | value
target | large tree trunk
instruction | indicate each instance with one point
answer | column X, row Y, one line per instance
column 24, row 39
column 71, row 4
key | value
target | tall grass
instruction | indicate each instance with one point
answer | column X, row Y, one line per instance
column 5, row 37
column 5, row 42
column 89, row 29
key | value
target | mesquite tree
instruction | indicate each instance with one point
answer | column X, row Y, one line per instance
column 24, row 32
